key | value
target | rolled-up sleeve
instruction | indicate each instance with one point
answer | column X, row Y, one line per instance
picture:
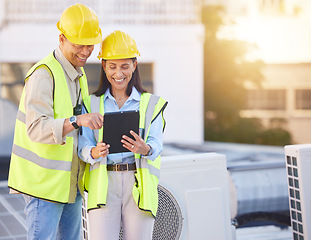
column 40, row 123
column 86, row 143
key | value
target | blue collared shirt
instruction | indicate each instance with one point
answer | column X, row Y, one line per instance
column 87, row 139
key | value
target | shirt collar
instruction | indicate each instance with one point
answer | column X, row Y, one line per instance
column 135, row 95
column 72, row 72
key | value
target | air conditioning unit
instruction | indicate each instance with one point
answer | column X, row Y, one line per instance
column 298, row 167
column 193, row 199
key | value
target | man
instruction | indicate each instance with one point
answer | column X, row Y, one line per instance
column 44, row 164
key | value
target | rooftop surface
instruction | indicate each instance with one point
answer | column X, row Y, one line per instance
column 12, row 217
column 13, row 227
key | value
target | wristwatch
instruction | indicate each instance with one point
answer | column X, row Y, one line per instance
column 150, row 151
column 73, row 122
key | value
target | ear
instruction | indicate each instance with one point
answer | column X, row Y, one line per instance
column 61, row 38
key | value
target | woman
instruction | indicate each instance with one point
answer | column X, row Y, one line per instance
column 126, row 197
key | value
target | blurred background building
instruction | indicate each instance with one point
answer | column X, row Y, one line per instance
column 170, row 37
column 282, row 31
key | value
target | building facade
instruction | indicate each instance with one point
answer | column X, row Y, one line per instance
column 281, row 29
column 169, row 36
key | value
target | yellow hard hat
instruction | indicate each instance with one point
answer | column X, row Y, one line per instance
column 118, row 45
column 80, row 25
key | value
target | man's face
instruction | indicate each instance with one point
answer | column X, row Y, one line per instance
column 76, row 54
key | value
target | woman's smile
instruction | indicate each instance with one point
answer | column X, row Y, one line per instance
column 119, row 80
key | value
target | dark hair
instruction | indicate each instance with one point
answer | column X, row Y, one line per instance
column 135, row 81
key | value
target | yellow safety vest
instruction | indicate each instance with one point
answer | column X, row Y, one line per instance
column 44, row 170
column 147, row 176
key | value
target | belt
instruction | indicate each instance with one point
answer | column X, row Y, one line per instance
column 122, row 167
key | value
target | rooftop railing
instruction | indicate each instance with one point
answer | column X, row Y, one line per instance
column 150, row 12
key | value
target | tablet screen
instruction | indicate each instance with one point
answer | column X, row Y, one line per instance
column 117, row 124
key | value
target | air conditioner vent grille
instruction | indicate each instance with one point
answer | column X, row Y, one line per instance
column 168, row 224
column 294, row 197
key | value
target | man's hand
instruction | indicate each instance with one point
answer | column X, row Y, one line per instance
column 91, row 120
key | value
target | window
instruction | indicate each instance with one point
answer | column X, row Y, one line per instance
column 303, row 99
column 267, row 99
column 12, row 80
column 279, row 7
column 146, row 75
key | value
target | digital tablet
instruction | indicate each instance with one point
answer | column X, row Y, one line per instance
column 117, row 124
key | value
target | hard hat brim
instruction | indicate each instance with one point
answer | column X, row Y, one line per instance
column 118, row 57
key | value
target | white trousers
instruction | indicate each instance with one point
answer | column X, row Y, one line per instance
column 105, row 222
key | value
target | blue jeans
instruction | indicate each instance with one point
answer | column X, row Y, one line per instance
column 49, row 220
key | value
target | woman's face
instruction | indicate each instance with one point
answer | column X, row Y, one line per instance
column 119, row 72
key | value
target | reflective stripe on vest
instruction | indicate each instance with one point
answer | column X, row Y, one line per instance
column 141, row 164
column 42, row 162
column 96, row 175
column 44, row 170
column 148, row 172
